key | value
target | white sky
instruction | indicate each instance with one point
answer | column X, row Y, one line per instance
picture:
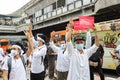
column 9, row 6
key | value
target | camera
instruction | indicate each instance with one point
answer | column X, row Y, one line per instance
column 57, row 36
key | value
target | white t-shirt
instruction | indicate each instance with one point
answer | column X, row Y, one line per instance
column 17, row 69
column 79, row 65
column 37, row 65
column 63, row 60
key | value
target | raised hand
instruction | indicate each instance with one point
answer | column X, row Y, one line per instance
column 30, row 27
column 94, row 29
column 71, row 23
column 27, row 33
column 52, row 34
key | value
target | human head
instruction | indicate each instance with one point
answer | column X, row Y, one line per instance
column 41, row 39
column 16, row 50
column 62, row 44
column 79, row 42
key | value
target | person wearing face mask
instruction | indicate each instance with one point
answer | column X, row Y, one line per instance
column 38, row 53
column 63, row 60
column 14, row 66
column 96, row 61
column 79, row 64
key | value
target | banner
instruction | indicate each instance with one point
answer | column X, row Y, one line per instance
column 77, row 26
column 84, row 23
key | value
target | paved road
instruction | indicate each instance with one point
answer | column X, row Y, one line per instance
column 107, row 77
column 96, row 78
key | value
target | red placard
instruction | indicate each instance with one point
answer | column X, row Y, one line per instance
column 77, row 26
column 86, row 22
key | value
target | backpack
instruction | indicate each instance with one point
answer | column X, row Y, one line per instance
column 9, row 62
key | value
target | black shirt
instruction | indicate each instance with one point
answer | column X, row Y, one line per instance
column 97, row 55
column 51, row 57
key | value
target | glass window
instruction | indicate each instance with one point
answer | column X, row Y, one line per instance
column 38, row 13
column 70, row 1
column 48, row 9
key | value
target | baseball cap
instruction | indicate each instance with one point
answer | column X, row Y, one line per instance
column 78, row 38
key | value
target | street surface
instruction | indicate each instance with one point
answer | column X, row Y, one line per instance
column 107, row 76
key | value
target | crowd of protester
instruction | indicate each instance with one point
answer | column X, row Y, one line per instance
column 67, row 60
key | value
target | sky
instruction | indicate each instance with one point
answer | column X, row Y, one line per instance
column 10, row 6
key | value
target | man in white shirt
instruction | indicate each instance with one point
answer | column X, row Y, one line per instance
column 79, row 65
column 38, row 52
column 63, row 60
column 17, row 69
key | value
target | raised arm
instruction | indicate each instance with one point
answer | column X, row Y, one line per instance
column 94, row 48
column 52, row 45
column 70, row 46
column 30, row 30
column 35, row 44
column 96, row 37
column 30, row 44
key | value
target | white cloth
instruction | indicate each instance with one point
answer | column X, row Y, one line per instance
column 88, row 40
column 79, row 66
column 1, row 56
column 63, row 61
column 17, row 69
column 37, row 65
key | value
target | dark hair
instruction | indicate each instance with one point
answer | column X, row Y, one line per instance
column 8, row 51
column 93, row 40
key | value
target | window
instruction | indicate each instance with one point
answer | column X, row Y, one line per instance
column 48, row 9
column 38, row 13
column 70, row 1
column 60, row 3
